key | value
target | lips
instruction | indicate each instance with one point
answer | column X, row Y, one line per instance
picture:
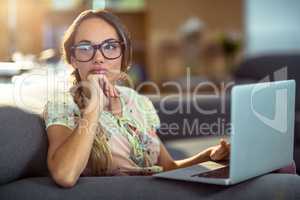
column 99, row 71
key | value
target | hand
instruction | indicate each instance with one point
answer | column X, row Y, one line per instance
column 220, row 152
column 105, row 84
column 100, row 91
column 94, row 98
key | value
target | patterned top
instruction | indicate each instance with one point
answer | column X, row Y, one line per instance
column 130, row 136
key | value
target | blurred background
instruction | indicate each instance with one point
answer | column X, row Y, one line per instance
column 183, row 41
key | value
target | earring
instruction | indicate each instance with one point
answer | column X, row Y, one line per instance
column 128, row 68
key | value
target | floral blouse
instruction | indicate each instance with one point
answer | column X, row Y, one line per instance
column 129, row 136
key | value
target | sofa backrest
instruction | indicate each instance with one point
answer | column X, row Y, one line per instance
column 198, row 116
column 257, row 68
column 23, row 145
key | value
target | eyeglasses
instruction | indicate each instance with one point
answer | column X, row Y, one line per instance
column 110, row 49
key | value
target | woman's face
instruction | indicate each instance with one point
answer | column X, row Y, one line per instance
column 95, row 31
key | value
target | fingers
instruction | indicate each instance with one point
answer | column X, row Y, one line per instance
column 224, row 153
column 108, row 89
column 227, row 157
column 221, row 151
column 85, row 100
column 228, row 146
column 219, row 155
column 224, row 143
column 116, row 92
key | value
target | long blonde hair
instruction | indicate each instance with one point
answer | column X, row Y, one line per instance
column 100, row 157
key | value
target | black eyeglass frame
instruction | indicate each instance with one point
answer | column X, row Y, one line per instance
column 98, row 47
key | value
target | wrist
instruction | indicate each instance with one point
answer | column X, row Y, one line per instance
column 92, row 115
column 207, row 153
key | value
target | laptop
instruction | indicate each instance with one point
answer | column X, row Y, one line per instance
column 262, row 136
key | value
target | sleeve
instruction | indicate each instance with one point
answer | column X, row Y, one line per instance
column 57, row 112
column 151, row 117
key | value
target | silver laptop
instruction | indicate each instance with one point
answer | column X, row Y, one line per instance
column 262, row 136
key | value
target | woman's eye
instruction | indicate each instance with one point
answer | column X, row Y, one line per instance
column 84, row 47
column 110, row 46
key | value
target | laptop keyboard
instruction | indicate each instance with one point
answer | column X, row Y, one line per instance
column 222, row 172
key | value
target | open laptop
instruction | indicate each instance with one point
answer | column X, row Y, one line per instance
column 262, row 137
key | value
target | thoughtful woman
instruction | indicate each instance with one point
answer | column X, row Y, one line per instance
column 99, row 128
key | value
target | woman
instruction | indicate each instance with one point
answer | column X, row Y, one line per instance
column 99, row 128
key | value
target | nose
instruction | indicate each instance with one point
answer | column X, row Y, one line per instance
column 98, row 58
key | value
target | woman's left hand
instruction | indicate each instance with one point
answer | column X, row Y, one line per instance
column 220, row 152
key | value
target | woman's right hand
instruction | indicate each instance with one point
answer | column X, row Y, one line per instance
column 100, row 91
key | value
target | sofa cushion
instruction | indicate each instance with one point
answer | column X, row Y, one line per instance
column 23, row 145
column 271, row 186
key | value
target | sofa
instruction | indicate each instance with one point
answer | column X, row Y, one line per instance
column 23, row 152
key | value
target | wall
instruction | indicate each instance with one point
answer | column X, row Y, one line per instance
column 272, row 26
column 164, row 17
column 4, row 32
column 28, row 34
